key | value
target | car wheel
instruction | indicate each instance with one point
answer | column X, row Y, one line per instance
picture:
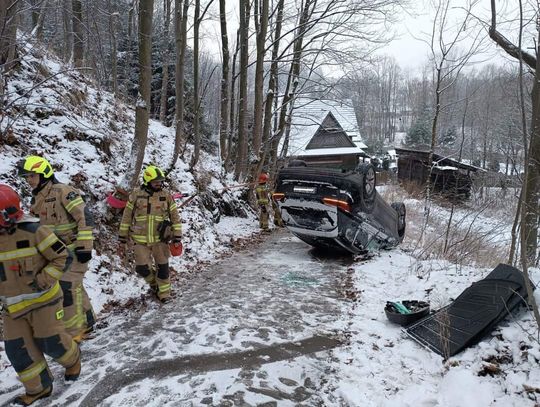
column 399, row 207
column 369, row 180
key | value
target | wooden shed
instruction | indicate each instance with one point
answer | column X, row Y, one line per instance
column 448, row 176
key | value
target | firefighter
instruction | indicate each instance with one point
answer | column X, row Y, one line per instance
column 61, row 207
column 32, row 260
column 262, row 201
column 149, row 210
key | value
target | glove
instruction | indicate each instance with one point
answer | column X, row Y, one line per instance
column 43, row 281
column 83, row 256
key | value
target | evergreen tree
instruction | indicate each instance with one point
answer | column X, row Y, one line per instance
column 420, row 131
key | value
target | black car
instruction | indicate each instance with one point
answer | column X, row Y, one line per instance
column 338, row 209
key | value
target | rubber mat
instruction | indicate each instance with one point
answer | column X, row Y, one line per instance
column 473, row 314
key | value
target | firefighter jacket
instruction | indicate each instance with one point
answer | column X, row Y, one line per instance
column 145, row 212
column 262, row 194
column 32, row 260
column 61, row 207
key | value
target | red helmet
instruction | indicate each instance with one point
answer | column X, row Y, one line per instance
column 10, row 206
column 263, row 177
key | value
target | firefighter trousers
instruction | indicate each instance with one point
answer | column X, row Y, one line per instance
column 277, row 215
column 78, row 312
column 29, row 337
column 158, row 278
column 263, row 216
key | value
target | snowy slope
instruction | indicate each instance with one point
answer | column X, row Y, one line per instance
column 69, row 121
column 86, row 135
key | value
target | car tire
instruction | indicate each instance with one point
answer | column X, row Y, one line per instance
column 369, row 181
column 401, row 211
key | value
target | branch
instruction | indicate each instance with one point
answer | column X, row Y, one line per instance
column 505, row 44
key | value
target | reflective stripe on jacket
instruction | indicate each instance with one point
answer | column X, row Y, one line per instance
column 144, row 213
column 24, row 255
column 262, row 194
column 62, row 207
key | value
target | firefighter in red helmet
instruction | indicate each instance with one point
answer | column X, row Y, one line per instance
column 32, row 261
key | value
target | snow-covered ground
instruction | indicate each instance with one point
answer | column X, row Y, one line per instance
column 266, row 298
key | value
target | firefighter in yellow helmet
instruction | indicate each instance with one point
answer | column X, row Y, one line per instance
column 61, row 207
column 32, row 260
column 149, row 210
column 262, row 200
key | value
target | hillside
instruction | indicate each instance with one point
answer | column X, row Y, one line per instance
column 86, row 134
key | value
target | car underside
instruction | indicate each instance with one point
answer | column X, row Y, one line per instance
column 338, row 210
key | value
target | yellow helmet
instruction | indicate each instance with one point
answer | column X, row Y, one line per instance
column 152, row 173
column 35, row 164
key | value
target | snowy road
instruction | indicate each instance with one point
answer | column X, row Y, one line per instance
column 254, row 329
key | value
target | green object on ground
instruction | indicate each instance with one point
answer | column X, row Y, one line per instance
column 402, row 309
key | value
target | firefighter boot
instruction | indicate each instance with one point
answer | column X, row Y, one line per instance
column 164, row 283
column 72, row 373
column 27, row 399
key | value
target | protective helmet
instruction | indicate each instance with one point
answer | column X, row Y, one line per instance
column 10, row 206
column 153, row 173
column 263, row 177
column 35, row 164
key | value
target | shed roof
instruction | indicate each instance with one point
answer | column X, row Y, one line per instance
column 442, row 161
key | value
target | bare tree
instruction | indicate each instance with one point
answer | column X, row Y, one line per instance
column 8, row 40
column 529, row 193
column 242, row 149
column 224, row 97
column 78, row 38
column 146, row 9
column 261, row 27
column 165, row 64
column 180, row 33
column 532, row 163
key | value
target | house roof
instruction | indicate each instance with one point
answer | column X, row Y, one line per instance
column 315, row 152
column 309, row 115
column 442, row 162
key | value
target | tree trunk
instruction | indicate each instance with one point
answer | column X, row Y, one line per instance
column 272, row 89
column 146, row 8
column 292, row 83
column 231, row 146
column 224, row 101
column 262, row 28
column 68, row 30
column 196, row 101
column 180, row 32
column 113, row 19
column 8, row 38
column 38, row 16
column 78, row 39
column 242, row 150
column 165, row 79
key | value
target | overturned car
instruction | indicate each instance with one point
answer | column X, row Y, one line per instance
column 336, row 209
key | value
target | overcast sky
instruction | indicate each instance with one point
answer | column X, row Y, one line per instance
column 417, row 19
column 415, row 22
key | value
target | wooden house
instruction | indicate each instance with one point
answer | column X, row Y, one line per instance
column 325, row 134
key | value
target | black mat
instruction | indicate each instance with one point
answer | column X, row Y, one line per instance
column 473, row 314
